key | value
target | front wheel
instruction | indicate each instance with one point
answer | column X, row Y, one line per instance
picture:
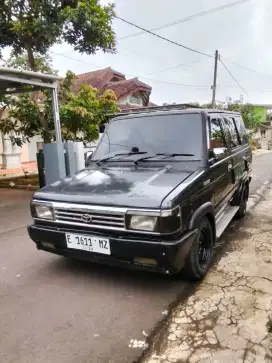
column 200, row 256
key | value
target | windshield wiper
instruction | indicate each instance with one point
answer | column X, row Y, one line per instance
column 175, row 154
column 162, row 154
column 106, row 158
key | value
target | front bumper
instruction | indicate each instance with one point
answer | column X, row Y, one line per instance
column 170, row 256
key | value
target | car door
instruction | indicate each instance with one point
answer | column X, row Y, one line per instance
column 244, row 138
column 219, row 163
column 237, row 152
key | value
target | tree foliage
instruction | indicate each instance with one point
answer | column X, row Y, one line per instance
column 42, row 63
column 34, row 26
column 81, row 113
column 251, row 119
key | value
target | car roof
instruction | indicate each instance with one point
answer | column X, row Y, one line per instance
column 172, row 112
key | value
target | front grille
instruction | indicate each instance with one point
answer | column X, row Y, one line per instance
column 90, row 218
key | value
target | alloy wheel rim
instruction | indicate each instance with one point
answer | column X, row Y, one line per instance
column 204, row 247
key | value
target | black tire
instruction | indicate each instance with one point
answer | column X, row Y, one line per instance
column 243, row 204
column 200, row 256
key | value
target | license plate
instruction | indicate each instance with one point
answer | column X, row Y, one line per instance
column 87, row 243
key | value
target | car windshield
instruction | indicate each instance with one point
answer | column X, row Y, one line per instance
column 154, row 134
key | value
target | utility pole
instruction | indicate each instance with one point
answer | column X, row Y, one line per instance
column 214, row 78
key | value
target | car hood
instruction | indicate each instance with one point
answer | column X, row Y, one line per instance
column 144, row 187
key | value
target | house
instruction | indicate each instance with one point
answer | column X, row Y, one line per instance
column 263, row 135
column 129, row 92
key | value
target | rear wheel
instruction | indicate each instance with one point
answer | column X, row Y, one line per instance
column 243, row 204
column 201, row 253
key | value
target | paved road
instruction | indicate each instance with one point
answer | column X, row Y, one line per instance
column 262, row 171
column 53, row 310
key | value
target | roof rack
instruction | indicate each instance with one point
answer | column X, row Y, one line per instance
column 181, row 106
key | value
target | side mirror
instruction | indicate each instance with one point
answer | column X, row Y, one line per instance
column 217, row 153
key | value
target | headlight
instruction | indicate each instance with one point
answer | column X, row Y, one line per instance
column 161, row 221
column 42, row 211
column 144, row 223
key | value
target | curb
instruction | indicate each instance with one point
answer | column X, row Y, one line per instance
column 21, row 187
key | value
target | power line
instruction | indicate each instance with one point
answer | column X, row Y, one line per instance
column 132, row 75
column 177, row 66
column 235, row 80
column 74, row 59
column 163, row 38
column 165, row 82
column 247, row 69
column 188, row 18
column 248, row 89
column 174, row 83
column 147, row 74
column 174, row 67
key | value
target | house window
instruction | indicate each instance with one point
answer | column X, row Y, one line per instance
column 263, row 134
column 135, row 100
column 115, row 79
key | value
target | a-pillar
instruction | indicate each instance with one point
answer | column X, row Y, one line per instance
column 11, row 155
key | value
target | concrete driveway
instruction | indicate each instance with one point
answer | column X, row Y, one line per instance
column 56, row 310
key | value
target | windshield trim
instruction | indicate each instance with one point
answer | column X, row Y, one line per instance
column 155, row 113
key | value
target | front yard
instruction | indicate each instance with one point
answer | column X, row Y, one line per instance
column 28, row 182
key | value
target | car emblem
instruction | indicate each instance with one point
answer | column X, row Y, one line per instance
column 86, row 218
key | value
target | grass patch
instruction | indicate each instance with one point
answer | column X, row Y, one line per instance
column 21, row 181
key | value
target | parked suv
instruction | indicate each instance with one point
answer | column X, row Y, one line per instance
column 159, row 191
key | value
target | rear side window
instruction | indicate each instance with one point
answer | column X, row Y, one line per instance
column 231, row 132
column 241, row 129
column 216, row 134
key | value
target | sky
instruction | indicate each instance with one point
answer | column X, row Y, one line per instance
column 242, row 34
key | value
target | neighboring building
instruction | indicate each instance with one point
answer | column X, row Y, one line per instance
column 263, row 135
column 129, row 92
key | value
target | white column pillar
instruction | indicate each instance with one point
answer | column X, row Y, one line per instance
column 7, row 146
column 11, row 155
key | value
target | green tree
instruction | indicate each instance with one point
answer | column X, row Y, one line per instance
column 42, row 63
column 34, row 26
column 81, row 113
column 251, row 118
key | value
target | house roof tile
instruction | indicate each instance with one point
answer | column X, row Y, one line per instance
column 124, row 87
column 102, row 80
column 98, row 79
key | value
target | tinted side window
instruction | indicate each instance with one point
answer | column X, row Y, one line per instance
column 216, row 134
column 231, row 132
column 241, row 129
